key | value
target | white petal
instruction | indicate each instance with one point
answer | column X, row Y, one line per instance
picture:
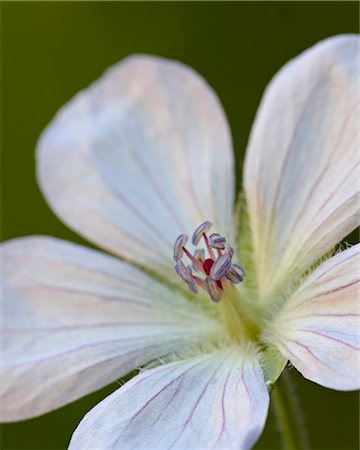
column 318, row 329
column 301, row 171
column 218, row 401
column 75, row 320
column 141, row 156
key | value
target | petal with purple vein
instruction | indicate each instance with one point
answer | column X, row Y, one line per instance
column 75, row 320
column 301, row 170
column 318, row 328
column 213, row 401
column 133, row 161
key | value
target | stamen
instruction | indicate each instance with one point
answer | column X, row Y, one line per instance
column 200, row 230
column 217, row 241
column 216, row 269
column 209, row 248
column 199, row 255
column 179, row 246
column 229, row 251
column 235, row 274
column 195, row 262
column 213, row 290
column 183, row 272
column 193, row 288
column 200, row 282
column 220, row 267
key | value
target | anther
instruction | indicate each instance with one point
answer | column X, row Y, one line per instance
column 220, row 267
column 213, row 289
column 193, row 288
column 235, row 274
column 199, row 255
column 217, row 241
column 200, row 230
column 179, row 246
column 183, row 272
column 229, row 251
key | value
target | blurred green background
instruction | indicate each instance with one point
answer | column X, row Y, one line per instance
column 50, row 50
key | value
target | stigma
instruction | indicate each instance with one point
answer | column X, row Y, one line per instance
column 212, row 263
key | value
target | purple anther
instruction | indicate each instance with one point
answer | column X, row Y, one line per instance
column 199, row 255
column 200, row 230
column 229, row 251
column 213, row 290
column 192, row 284
column 178, row 246
column 193, row 288
column 235, row 274
column 217, row 241
column 183, row 272
column 220, row 267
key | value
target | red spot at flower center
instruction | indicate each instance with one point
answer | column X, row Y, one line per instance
column 207, row 265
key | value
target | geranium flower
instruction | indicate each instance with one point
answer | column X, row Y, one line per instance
column 139, row 161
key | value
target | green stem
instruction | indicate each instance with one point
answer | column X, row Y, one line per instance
column 288, row 414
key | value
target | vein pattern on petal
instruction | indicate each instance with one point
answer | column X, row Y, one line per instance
column 75, row 320
column 218, row 401
column 301, row 169
column 318, row 328
column 141, row 155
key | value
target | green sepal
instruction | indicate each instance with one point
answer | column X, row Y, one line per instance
column 273, row 363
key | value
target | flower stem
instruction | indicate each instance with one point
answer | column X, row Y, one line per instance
column 288, row 414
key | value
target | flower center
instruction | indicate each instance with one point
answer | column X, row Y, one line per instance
column 214, row 270
column 210, row 267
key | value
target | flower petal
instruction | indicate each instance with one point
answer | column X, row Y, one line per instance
column 139, row 157
column 318, row 328
column 302, row 162
column 74, row 320
column 208, row 402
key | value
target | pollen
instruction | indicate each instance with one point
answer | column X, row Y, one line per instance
column 212, row 262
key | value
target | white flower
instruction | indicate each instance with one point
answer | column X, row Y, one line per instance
column 133, row 162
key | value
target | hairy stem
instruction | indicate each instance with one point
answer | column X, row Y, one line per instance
column 288, row 415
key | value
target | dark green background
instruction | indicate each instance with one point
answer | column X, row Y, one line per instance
column 51, row 50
